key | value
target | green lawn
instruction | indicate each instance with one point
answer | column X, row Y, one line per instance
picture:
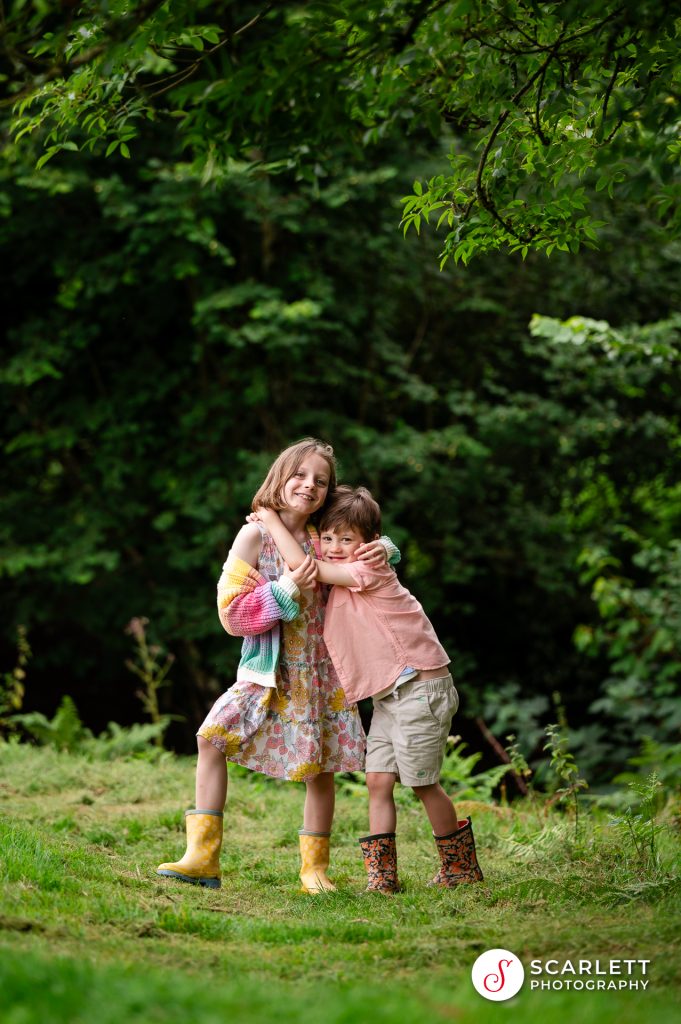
column 89, row 932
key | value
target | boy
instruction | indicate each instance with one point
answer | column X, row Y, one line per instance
column 383, row 646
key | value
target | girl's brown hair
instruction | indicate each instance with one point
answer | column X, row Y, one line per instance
column 353, row 508
column 269, row 494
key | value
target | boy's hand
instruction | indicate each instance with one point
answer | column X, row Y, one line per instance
column 305, row 575
column 262, row 515
column 373, row 553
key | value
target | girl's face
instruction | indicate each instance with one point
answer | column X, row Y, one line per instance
column 306, row 490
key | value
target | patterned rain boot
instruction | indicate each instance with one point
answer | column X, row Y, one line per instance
column 380, row 860
column 314, row 858
column 201, row 862
column 459, row 861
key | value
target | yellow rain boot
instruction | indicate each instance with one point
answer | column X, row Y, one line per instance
column 201, row 862
column 314, row 856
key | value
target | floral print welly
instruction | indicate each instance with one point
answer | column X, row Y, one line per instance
column 304, row 726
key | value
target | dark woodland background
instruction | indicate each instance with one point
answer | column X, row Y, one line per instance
column 165, row 337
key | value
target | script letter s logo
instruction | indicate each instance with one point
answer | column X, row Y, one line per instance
column 497, row 980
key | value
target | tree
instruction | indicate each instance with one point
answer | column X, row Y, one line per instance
column 544, row 104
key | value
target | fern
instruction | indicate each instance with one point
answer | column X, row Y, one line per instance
column 65, row 731
column 457, row 772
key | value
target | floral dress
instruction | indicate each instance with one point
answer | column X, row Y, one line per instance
column 304, row 726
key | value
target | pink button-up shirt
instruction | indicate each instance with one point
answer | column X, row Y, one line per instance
column 375, row 630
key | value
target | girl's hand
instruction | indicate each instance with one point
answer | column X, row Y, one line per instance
column 373, row 553
column 305, row 575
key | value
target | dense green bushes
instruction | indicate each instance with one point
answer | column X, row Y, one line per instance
column 166, row 335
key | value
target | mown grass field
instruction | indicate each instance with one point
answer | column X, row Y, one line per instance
column 89, row 932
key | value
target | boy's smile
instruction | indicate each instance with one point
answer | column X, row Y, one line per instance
column 340, row 545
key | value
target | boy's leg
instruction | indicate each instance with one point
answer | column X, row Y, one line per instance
column 438, row 807
column 424, row 710
column 382, row 810
column 379, row 849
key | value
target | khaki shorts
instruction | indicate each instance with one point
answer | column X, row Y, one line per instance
column 409, row 730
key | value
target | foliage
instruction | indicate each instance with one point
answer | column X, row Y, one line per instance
column 637, row 826
column 519, row 765
column 563, row 765
column 12, row 687
column 639, row 630
column 64, row 731
column 540, row 107
column 458, row 776
column 150, row 671
column 174, row 318
column 663, row 758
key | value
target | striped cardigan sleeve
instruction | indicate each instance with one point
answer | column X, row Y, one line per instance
column 393, row 553
column 248, row 604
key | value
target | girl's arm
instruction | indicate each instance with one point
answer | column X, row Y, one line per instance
column 293, row 554
column 247, row 544
column 246, row 605
column 374, row 552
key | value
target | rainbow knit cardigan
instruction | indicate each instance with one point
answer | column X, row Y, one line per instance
column 252, row 607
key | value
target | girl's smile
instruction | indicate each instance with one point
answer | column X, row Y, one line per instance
column 306, row 490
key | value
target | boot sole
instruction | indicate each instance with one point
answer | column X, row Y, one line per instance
column 206, row 883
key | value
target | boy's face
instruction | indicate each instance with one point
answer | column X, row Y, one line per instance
column 339, row 545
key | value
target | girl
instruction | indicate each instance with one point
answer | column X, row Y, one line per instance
column 287, row 715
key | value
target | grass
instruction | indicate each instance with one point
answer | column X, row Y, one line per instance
column 86, row 925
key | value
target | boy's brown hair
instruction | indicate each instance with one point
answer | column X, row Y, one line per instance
column 353, row 508
column 269, row 494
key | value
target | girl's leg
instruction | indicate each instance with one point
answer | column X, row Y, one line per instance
column 382, row 810
column 211, row 777
column 314, row 836
column 439, row 808
column 320, row 800
column 200, row 864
